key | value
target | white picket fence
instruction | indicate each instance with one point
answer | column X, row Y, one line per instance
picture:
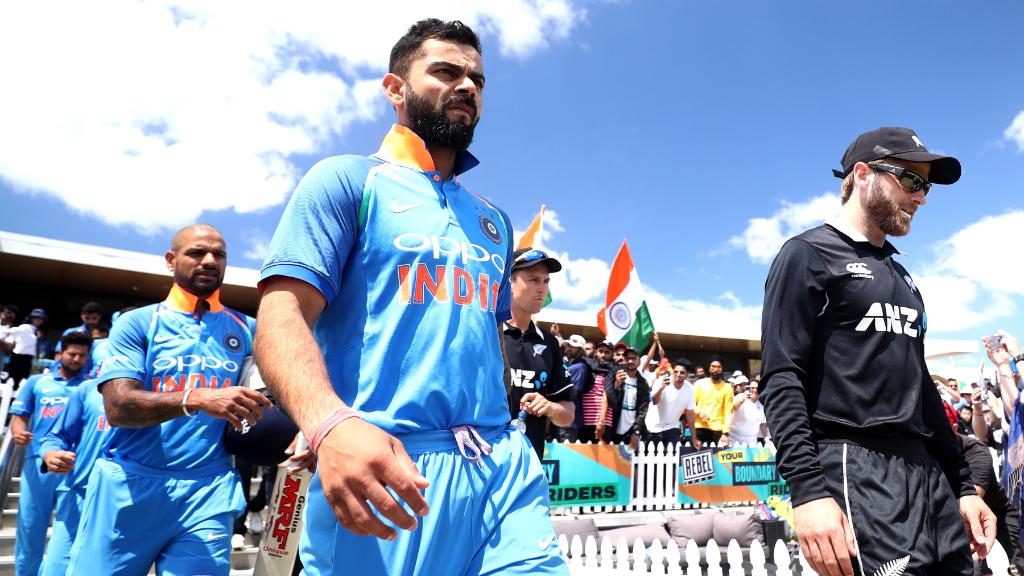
column 655, row 481
column 586, row 559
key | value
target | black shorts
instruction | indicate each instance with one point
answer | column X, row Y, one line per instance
column 901, row 507
column 709, row 436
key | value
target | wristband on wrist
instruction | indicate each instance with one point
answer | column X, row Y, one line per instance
column 336, row 417
column 184, row 405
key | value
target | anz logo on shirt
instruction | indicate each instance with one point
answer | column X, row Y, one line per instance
column 450, row 279
column 524, row 378
column 885, row 317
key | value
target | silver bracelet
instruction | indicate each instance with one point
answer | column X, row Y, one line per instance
column 184, row 408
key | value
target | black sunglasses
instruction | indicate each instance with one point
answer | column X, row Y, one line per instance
column 907, row 180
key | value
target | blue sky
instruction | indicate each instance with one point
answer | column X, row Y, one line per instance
column 702, row 132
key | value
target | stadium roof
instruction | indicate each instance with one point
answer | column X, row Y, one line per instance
column 45, row 261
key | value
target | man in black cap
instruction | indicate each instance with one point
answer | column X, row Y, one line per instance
column 877, row 479
column 23, row 342
column 539, row 385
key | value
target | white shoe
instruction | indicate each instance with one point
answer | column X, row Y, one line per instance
column 255, row 523
column 237, row 541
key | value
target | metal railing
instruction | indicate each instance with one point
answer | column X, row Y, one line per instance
column 12, row 456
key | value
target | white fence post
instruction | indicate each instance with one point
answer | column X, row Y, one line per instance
column 621, row 556
column 692, row 559
column 757, row 559
column 714, row 557
column 781, row 558
column 675, row 565
column 590, row 555
column 735, row 558
column 576, row 551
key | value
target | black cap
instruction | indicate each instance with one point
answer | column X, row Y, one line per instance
column 527, row 257
column 902, row 144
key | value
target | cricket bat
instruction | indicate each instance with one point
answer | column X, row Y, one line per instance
column 279, row 544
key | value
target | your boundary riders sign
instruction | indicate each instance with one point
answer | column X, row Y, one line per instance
column 721, row 475
column 588, row 474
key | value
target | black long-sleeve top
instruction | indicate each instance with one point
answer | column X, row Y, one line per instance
column 842, row 340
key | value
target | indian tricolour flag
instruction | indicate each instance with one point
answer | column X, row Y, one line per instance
column 531, row 239
column 625, row 317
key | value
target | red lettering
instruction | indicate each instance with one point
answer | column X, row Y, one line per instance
column 168, row 383
column 102, row 424
column 425, row 282
column 463, row 287
column 404, row 286
column 456, row 285
column 197, row 381
column 482, row 290
column 285, row 510
column 50, row 411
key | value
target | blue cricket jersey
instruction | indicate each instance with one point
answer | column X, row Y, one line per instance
column 169, row 348
column 100, row 352
column 81, row 428
column 414, row 269
column 43, row 397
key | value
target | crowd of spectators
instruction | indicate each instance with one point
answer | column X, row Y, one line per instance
column 25, row 347
column 623, row 396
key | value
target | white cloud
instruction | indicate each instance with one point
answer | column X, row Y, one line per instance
column 764, row 236
column 149, row 113
column 1015, row 132
column 256, row 245
column 956, row 303
column 971, row 282
column 727, row 318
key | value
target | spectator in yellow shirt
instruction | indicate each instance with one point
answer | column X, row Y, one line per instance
column 713, row 396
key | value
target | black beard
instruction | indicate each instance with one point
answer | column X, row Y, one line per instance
column 434, row 127
column 885, row 212
column 202, row 289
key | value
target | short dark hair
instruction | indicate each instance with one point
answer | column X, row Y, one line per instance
column 685, row 362
column 90, row 307
column 75, row 339
column 403, row 52
column 846, row 188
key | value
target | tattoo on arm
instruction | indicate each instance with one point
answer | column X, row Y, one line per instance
column 129, row 406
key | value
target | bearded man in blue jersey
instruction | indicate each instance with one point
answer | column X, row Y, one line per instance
column 164, row 490
column 383, row 289
column 37, row 409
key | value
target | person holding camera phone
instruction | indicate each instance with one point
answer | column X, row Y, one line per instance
column 748, row 421
column 627, row 395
